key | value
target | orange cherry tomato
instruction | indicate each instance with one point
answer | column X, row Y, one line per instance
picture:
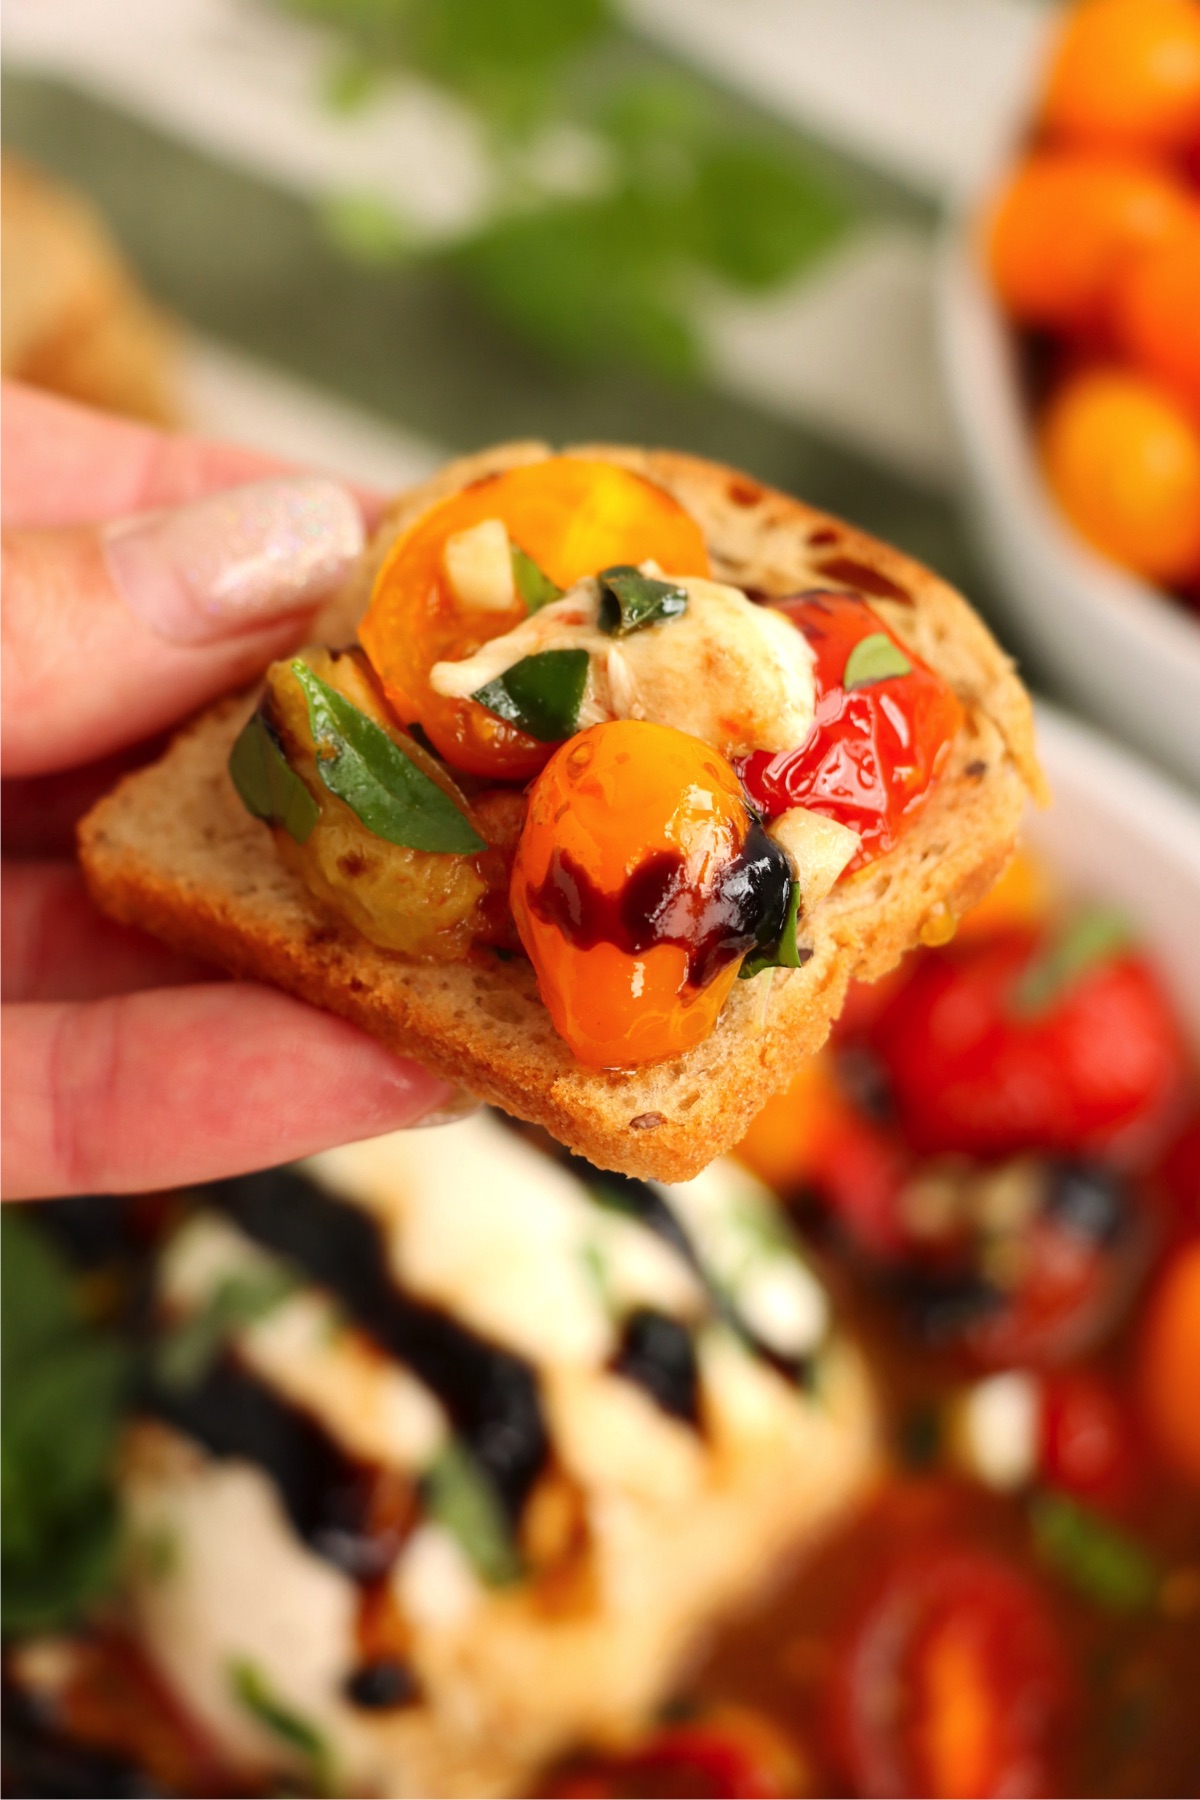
column 1123, row 461
column 1067, row 222
column 1157, row 313
column 1127, row 73
column 573, row 516
column 639, row 883
column 1170, row 1362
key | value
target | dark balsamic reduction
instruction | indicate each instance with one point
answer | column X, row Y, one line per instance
column 1090, row 1200
column 490, row 1394
column 657, row 1353
column 382, row 1685
column 332, row 1499
column 863, row 577
column 744, row 909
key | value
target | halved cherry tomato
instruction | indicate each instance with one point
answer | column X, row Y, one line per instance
column 875, row 748
column 1169, row 1363
column 1127, row 72
column 573, row 516
column 639, row 883
column 974, row 1071
column 951, row 1681
column 1065, row 225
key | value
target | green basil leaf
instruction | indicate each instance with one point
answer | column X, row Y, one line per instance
column 359, row 762
column 1088, row 939
column 629, row 600
column 460, row 1495
column 78, row 1566
column 1103, row 1562
column 253, row 1691
column 270, row 788
column 541, row 694
column 188, row 1351
column 874, row 658
column 789, row 953
column 535, row 588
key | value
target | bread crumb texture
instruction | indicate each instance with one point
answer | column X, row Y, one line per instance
column 173, row 850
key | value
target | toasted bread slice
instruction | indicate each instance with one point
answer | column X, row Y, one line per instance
column 173, row 850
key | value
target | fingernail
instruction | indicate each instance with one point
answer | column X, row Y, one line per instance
column 237, row 559
column 460, row 1105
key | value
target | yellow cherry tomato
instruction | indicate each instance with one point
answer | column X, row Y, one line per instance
column 1127, row 73
column 1157, row 313
column 1123, row 460
column 574, row 516
column 1066, row 224
column 1170, row 1362
column 621, row 890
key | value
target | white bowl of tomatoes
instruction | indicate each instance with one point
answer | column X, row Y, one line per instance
column 1069, row 318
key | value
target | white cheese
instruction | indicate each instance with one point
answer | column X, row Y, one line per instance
column 738, row 676
column 610, row 1434
column 433, row 1581
column 996, row 1430
column 479, row 567
column 302, row 1348
column 735, row 1226
column 817, row 848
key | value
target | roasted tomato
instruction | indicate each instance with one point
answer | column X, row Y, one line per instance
column 641, row 880
column 728, row 1753
column 951, row 1681
column 572, row 516
column 883, row 727
column 1016, row 1043
column 1088, row 1442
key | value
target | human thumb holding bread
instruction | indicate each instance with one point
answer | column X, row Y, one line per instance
column 143, row 576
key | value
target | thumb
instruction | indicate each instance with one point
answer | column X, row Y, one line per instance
column 111, row 634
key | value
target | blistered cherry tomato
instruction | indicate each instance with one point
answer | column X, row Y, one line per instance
column 977, row 1068
column 1127, row 72
column 573, row 516
column 1088, row 1442
column 1122, row 458
column 1169, row 1364
column 1066, row 224
column 951, row 1681
column 640, row 881
column 728, row 1753
column 876, row 746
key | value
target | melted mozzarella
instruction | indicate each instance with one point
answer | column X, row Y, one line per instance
column 735, row 675
column 997, row 1430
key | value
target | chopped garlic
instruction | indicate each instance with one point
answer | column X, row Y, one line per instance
column 995, row 1430
column 479, row 567
column 817, row 848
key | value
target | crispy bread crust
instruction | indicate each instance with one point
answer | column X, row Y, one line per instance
column 173, row 850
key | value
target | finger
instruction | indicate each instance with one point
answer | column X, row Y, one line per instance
column 39, row 815
column 112, row 635
column 57, row 946
column 64, row 464
column 189, row 1084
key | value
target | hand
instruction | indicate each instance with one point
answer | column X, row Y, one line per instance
column 126, row 1066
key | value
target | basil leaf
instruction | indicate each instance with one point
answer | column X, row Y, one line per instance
column 629, row 600
column 270, row 788
column 459, row 1494
column 1104, row 1563
column 789, row 953
column 874, row 658
column 253, row 1691
column 186, row 1354
column 1087, row 940
column 541, row 694
column 384, row 788
column 535, row 588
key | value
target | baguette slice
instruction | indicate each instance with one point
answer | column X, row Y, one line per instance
column 173, row 850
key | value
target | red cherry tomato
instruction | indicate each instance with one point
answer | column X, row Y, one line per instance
column 730, row 1753
column 951, row 1681
column 876, row 746
column 1088, row 1442
column 976, row 1070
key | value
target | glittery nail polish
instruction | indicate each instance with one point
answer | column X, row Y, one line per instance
column 237, row 559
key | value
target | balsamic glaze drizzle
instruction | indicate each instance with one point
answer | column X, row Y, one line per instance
column 490, row 1394
column 657, row 1353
